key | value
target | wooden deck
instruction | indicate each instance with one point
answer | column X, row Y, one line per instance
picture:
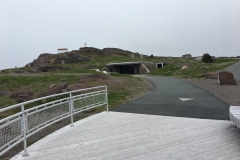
column 124, row 136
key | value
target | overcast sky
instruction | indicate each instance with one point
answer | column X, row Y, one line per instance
column 158, row 27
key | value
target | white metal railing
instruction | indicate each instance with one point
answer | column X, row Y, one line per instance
column 23, row 122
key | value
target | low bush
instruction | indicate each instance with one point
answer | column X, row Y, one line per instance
column 207, row 58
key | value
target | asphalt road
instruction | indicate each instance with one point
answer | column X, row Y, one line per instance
column 164, row 100
column 235, row 69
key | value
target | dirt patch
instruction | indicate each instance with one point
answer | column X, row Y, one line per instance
column 99, row 76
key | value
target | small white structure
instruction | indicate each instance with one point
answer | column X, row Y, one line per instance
column 133, row 56
column 105, row 72
column 159, row 65
column 85, row 44
column 62, row 50
column 198, row 58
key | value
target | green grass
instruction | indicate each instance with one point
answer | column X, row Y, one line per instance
column 99, row 62
column 165, row 71
column 117, row 92
column 30, row 83
column 33, row 83
column 115, row 97
column 195, row 68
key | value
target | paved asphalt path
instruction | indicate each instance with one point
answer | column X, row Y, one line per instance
column 164, row 100
column 235, row 69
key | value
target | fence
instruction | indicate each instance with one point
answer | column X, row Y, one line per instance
column 29, row 117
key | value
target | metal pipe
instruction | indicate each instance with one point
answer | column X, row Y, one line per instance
column 25, row 154
column 71, row 109
column 106, row 98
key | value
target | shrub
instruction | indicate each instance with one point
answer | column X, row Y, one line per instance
column 207, row 58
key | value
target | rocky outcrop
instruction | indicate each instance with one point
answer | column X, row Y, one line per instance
column 90, row 51
column 47, row 59
column 226, row 78
column 47, row 62
column 42, row 60
column 116, row 51
column 62, row 87
column 19, row 96
column 76, row 86
column 69, row 57
column 22, row 96
column 53, row 89
column 5, row 93
column 105, row 51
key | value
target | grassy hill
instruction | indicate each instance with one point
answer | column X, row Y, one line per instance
column 121, row 88
column 174, row 68
column 97, row 59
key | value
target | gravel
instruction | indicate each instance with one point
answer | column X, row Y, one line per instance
column 230, row 94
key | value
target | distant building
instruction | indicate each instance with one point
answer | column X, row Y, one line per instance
column 198, row 58
column 85, row 44
column 62, row 50
column 187, row 56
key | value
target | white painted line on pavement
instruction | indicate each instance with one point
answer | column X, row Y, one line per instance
column 186, row 99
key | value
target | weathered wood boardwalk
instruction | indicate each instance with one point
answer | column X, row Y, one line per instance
column 124, row 136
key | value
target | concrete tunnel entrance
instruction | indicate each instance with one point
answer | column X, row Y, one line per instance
column 129, row 67
column 124, row 67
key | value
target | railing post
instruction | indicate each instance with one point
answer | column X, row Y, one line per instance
column 106, row 97
column 25, row 154
column 71, row 109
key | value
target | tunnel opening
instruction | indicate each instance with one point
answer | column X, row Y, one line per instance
column 125, row 69
column 128, row 67
column 160, row 65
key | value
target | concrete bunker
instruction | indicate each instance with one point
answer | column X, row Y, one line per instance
column 160, row 64
column 128, row 67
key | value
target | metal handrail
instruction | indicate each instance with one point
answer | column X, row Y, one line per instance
column 54, row 95
column 19, row 126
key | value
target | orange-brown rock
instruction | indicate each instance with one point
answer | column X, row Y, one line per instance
column 226, row 78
